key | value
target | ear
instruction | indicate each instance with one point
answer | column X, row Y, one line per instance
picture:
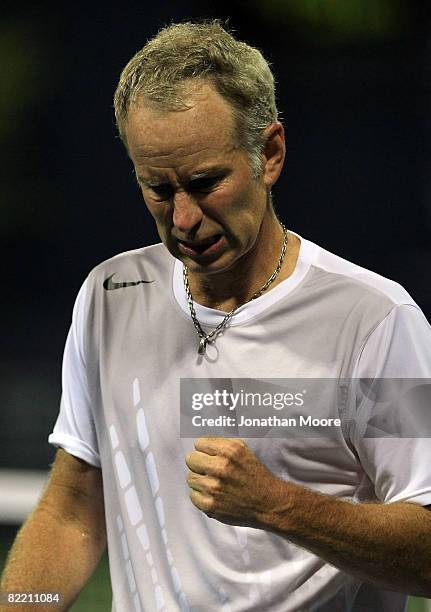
column 273, row 152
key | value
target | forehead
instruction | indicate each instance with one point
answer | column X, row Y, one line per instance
column 203, row 130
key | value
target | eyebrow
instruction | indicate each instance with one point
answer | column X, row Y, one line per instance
column 210, row 172
column 146, row 183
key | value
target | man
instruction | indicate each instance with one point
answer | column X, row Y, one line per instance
column 217, row 523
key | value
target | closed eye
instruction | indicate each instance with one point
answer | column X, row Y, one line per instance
column 163, row 192
column 204, row 184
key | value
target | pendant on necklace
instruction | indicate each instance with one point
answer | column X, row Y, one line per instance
column 202, row 346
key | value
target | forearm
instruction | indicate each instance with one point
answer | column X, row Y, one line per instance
column 51, row 554
column 385, row 544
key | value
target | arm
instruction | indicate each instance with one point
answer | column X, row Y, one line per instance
column 61, row 543
column 385, row 544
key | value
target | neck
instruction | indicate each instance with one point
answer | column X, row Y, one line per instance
column 228, row 290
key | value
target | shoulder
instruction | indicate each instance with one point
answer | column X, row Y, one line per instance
column 153, row 256
column 151, row 264
column 352, row 282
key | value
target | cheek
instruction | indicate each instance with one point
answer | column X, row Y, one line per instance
column 149, row 204
column 227, row 202
column 156, row 209
column 160, row 211
column 239, row 205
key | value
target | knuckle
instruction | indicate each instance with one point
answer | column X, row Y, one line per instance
column 214, row 485
column 237, row 449
column 210, row 506
column 224, row 466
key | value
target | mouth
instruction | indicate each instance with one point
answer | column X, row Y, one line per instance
column 199, row 248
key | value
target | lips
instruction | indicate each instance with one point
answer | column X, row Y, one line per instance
column 199, row 247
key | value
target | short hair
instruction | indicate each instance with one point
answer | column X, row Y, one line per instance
column 158, row 75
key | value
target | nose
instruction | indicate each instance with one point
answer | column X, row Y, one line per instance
column 187, row 213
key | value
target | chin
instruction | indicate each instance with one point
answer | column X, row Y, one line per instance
column 217, row 266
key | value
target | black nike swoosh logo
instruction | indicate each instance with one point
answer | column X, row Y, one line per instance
column 109, row 284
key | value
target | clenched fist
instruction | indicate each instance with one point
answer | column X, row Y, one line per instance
column 230, row 484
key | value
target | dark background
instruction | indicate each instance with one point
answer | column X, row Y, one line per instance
column 353, row 88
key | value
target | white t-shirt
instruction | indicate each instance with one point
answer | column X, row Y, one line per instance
column 128, row 349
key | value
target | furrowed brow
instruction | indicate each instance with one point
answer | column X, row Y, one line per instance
column 208, row 173
column 214, row 171
column 149, row 183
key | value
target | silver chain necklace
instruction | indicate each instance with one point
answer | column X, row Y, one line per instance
column 204, row 338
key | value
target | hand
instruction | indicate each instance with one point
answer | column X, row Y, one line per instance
column 230, row 484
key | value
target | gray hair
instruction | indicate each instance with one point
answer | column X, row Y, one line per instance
column 181, row 53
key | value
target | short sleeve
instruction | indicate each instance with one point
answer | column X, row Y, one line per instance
column 393, row 409
column 74, row 429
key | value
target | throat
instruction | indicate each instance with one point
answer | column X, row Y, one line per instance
column 225, row 305
column 225, row 294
